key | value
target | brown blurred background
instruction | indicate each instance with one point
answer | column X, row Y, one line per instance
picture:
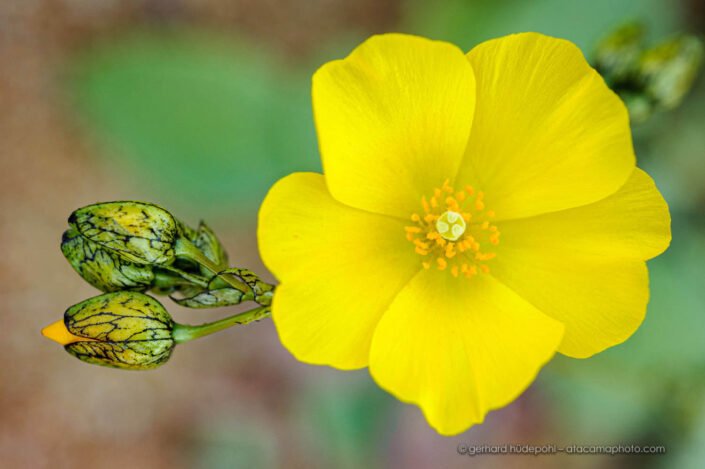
column 199, row 106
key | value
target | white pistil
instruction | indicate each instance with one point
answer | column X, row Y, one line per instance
column 451, row 225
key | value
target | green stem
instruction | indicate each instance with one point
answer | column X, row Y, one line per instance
column 184, row 332
column 186, row 249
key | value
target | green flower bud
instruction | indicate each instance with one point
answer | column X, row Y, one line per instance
column 123, row 329
column 136, row 245
column 104, row 269
column 141, row 233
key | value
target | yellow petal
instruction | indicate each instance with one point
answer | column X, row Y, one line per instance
column 632, row 223
column 460, row 348
column 393, row 119
column 584, row 266
column 548, row 134
column 339, row 269
column 601, row 303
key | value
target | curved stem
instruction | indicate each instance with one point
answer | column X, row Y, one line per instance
column 186, row 249
column 184, row 332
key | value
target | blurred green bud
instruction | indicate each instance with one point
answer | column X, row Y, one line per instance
column 640, row 106
column 141, row 233
column 670, row 68
column 651, row 79
column 124, row 329
column 104, row 269
column 617, row 55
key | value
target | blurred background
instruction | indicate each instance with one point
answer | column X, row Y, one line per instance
column 199, row 106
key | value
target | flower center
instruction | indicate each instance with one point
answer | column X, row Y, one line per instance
column 450, row 225
column 453, row 231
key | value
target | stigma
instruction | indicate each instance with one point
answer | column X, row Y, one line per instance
column 454, row 232
column 450, row 225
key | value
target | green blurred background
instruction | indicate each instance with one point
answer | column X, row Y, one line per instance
column 200, row 105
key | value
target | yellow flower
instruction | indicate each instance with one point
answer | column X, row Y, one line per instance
column 477, row 214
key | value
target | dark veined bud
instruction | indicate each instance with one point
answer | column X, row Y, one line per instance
column 139, row 232
column 125, row 329
column 104, row 269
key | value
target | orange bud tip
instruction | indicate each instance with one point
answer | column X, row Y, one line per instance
column 60, row 334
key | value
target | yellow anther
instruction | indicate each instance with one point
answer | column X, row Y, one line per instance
column 484, row 256
column 442, row 263
column 452, row 203
column 415, row 217
column 454, row 271
column 426, row 265
column 421, row 244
